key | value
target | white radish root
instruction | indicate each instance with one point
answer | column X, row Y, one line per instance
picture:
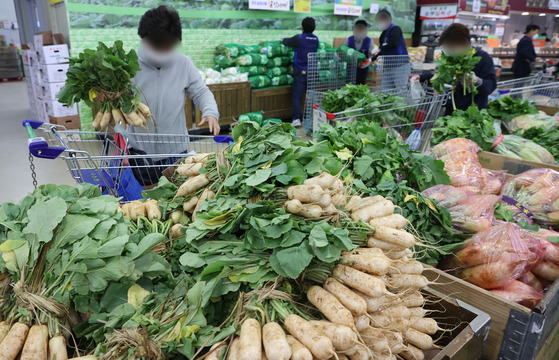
column 418, row 339
column 298, row 350
column 152, row 210
column 190, row 204
column 36, row 345
column 394, row 221
column 294, row 206
column 350, row 300
column 374, row 264
column 373, row 242
column 379, row 209
column 275, row 343
column 417, row 312
column 410, row 352
column 310, row 211
column 13, row 342
column 305, row 193
column 234, row 352
column 136, row 209
column 424, row 325
column 330, row 306
column 320, row 346
column 192, row 185
column 189, row 169
column 362, row 322
column 4, row 328
column 368, row 284
column 407, row 282
column 394, row 236
column 324, row 180
column 408, row 267
column 250, row 340
column 57, row 348
column 343, row 337
column 175, row 231
column 325, row 201
column 375, row 340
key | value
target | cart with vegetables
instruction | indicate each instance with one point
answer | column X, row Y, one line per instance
column 539, row 89
column 398, row 110
column 120, row 162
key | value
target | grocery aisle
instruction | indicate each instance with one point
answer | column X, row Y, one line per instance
column 15, row 177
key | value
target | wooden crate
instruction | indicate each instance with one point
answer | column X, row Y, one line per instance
column 233, row 99
column 275, row 102
column 492, row 161
column 516, row 333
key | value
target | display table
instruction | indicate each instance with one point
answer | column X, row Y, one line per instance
column 275, row 102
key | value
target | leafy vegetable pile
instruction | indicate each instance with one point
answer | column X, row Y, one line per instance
column 454, row 71
column 507, row 108
column 105, row 73
column 355, row 97
column 547, row 139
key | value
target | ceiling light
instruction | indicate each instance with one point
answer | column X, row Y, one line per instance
column 525, row 13
column 542, row 14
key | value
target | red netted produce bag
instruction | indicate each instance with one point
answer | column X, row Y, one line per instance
column 520, row 293
column 471, row 212
column 494, row 257
column 534, row 193
column 461, row 162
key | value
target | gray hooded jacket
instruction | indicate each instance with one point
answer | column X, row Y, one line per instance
column 164, row 90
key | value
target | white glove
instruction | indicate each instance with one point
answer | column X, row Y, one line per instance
column 550, row 70
column 375, row 51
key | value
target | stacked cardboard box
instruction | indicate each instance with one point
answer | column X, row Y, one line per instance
column 9, row 63
column 46, row 68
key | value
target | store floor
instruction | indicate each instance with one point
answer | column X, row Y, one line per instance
column 15, row 175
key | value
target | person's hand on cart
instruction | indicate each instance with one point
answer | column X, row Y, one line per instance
column 213, row 124
column 365, row 64
column 413, row 78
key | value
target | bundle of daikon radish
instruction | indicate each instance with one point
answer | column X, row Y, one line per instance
column 109, row 115
column 19, row 341
column 372, row 303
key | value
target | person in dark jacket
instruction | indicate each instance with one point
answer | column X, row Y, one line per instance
column 455, row 41
column 525, row 53
column 364, row 44
column 396, row 70
column 304, row 44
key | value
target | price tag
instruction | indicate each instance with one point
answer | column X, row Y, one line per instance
column 349, row 10
column 476, row 6
column 278, row 5
column 374, row 8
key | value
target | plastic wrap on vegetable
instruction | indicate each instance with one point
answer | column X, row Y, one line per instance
column 471, row 212
column 536, row 192
column 348, row 53
column 520, row 293
column 273, row 49
column 279, row 61
column 260, row 81
column 461, row 162
column 251, row 59
column 494, row 257
column 527, row 121
column 548, row 270
column 520, row 148
column 493, row 181
column 223, row 61
column 253, row 70
column 257, row 117
column 231, row 50
column 282, row 80
column 277, row 71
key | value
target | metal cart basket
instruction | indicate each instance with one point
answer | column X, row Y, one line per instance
column 539, row 89
column 401, row 116
column 120, row 163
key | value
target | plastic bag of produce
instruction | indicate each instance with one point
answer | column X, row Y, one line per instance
column 536, row 192
column 251, row 59
column 461, row 162
column 277, row 71
column 527, row 121
column 231, row 50
column 471, row 212
column 223, row 61
column 520, row 293
column 348, row 53
column 547, row 271
column 273, row 49
column 495, row 257
column 493, row 181
column 520, row 148
column 282, row 80
column 260, row 81
column 253, row 70
column 279, row 61
column 230, row 71
column 256, row 117
column 323, row 45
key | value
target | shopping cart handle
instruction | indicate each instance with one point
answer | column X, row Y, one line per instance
column 223, row 139
column 38, row 145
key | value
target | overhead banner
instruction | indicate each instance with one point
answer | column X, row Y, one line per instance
column 277, row 5
column 438, row 12
column 348, row 7
column 500, row 7
column 302, row 6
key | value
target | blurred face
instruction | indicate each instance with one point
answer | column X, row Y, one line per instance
column 533, row 33
column 158, row 55
column 382, row 23
column 360, row 32
column 456, row 49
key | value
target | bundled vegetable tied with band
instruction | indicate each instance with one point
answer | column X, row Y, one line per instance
column 103, row 77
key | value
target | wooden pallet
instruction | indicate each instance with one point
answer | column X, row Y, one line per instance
column 8, row 79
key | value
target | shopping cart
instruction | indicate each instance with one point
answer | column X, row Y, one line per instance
column 391, row 72
column 538, row 89
column 401, row 117
column 121, row 163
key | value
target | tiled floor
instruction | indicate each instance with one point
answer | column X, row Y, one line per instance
column 15, row 175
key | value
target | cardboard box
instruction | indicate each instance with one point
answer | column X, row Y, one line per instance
column 56, row 109
column 41, row 111
column 49, row 90
column 70, row 122
column 492, row 161
column 516, row 332
column 549, row 110
column 53, row 54
column 26, row 57
column 43, row 38
column 53, row 73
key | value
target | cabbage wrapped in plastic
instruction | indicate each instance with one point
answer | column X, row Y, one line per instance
column 538, row 191
column 519, row 148
column 527, row 121
column 471, row 212
column 496, row 256
column 460, row 162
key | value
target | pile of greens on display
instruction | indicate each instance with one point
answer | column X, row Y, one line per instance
column 547, row 139
column 455, row 70
column 507, row 108
column 104, row 75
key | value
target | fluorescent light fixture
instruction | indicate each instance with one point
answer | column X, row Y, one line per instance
column 542, row 14
column 557, row 15
column 525, row 13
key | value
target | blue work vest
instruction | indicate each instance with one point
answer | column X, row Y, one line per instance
column 308, row 44
column 398, row 50
column 364, row 49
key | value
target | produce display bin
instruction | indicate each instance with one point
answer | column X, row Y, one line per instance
column 470, row 327
column 516, row 333
column 233, row 99
column 275, row 102
column 492, row 161
column 549, row 110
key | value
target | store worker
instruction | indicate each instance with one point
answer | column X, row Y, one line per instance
column 455, row 41
column 391, row 42
column 525, row 53
column 303, row 44
column 364, row 44
column 166, row 77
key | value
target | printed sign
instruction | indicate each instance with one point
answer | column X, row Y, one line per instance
column 348, row 7
column 302, row 6
column 553, row 4
column 374, row 8
column 500, row 7
column 438, row 12
column 278, row 5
